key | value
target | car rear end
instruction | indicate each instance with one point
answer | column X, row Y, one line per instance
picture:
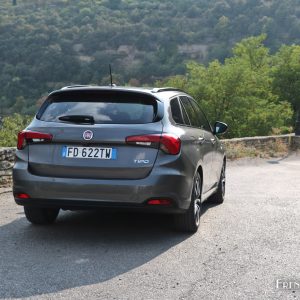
column 90, row 147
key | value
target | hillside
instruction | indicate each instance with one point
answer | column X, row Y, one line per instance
column 48, row 44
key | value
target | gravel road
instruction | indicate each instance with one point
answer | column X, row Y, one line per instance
column 242, row 248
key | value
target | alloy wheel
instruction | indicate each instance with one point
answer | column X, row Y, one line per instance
column 223, row 180
column 197, row 199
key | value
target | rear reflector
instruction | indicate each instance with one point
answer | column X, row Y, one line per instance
column 22, row 196
column 32, row 136
column 168, row 143
column 159, row 202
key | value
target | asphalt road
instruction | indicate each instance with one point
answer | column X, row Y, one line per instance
column 241, row 249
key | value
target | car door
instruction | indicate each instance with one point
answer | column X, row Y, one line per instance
column 212, row 142
column 202, row 141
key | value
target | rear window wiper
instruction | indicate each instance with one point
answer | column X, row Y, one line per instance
column 80, row 119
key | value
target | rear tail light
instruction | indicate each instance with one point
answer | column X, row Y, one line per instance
column 159, row 202
column 22, row 196
column 168, row 143
column 32, row 136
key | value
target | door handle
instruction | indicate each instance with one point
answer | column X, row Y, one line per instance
column 200, row 140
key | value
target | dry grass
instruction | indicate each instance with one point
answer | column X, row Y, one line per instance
column 271, row 149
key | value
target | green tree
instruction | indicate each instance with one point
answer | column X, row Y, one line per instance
column 253, row 52
column 49, row 44
column 238, row 92
column 286, row 75
column 222, row 28
column 10, row 127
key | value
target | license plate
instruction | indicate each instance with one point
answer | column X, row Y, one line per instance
column 89, row 152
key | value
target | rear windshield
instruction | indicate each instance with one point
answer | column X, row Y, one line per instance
column 103, row 112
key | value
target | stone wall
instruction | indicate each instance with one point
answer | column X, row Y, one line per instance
column 261, row 146
column 296, row 143
column 266, row 146
column 260, row 141
column 7, row 158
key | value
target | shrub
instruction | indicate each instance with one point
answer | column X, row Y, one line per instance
column 10, row 127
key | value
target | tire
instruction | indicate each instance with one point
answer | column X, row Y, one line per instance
column 219, row 196
column 40, row 215
column 190, row 220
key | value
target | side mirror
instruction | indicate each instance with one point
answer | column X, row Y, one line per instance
column 220, row 128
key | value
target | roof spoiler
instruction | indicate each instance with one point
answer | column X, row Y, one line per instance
column 166, row 89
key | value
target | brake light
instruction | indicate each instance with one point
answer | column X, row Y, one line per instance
column 32, row 136
column 159, row 202
column 22, row 196
column 168, row 143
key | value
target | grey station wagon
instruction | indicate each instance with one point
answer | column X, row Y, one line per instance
column 117, row 147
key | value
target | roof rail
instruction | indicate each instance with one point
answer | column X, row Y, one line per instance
column 166, row 89
column 73, row 86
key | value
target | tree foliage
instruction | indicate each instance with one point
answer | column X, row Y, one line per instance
column 10, row 127
column 239, row 91
column 48, row 44
column 287, row 75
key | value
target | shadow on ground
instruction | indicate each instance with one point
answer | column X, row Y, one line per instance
column 81, row 248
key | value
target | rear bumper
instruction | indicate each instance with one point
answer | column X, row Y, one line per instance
column 76, row 193
column 107, row 206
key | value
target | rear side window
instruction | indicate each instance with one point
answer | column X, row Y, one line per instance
column 202, row 121
column 103, row 112
column 190, row 111
column 176, row 111
column 185, row 116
